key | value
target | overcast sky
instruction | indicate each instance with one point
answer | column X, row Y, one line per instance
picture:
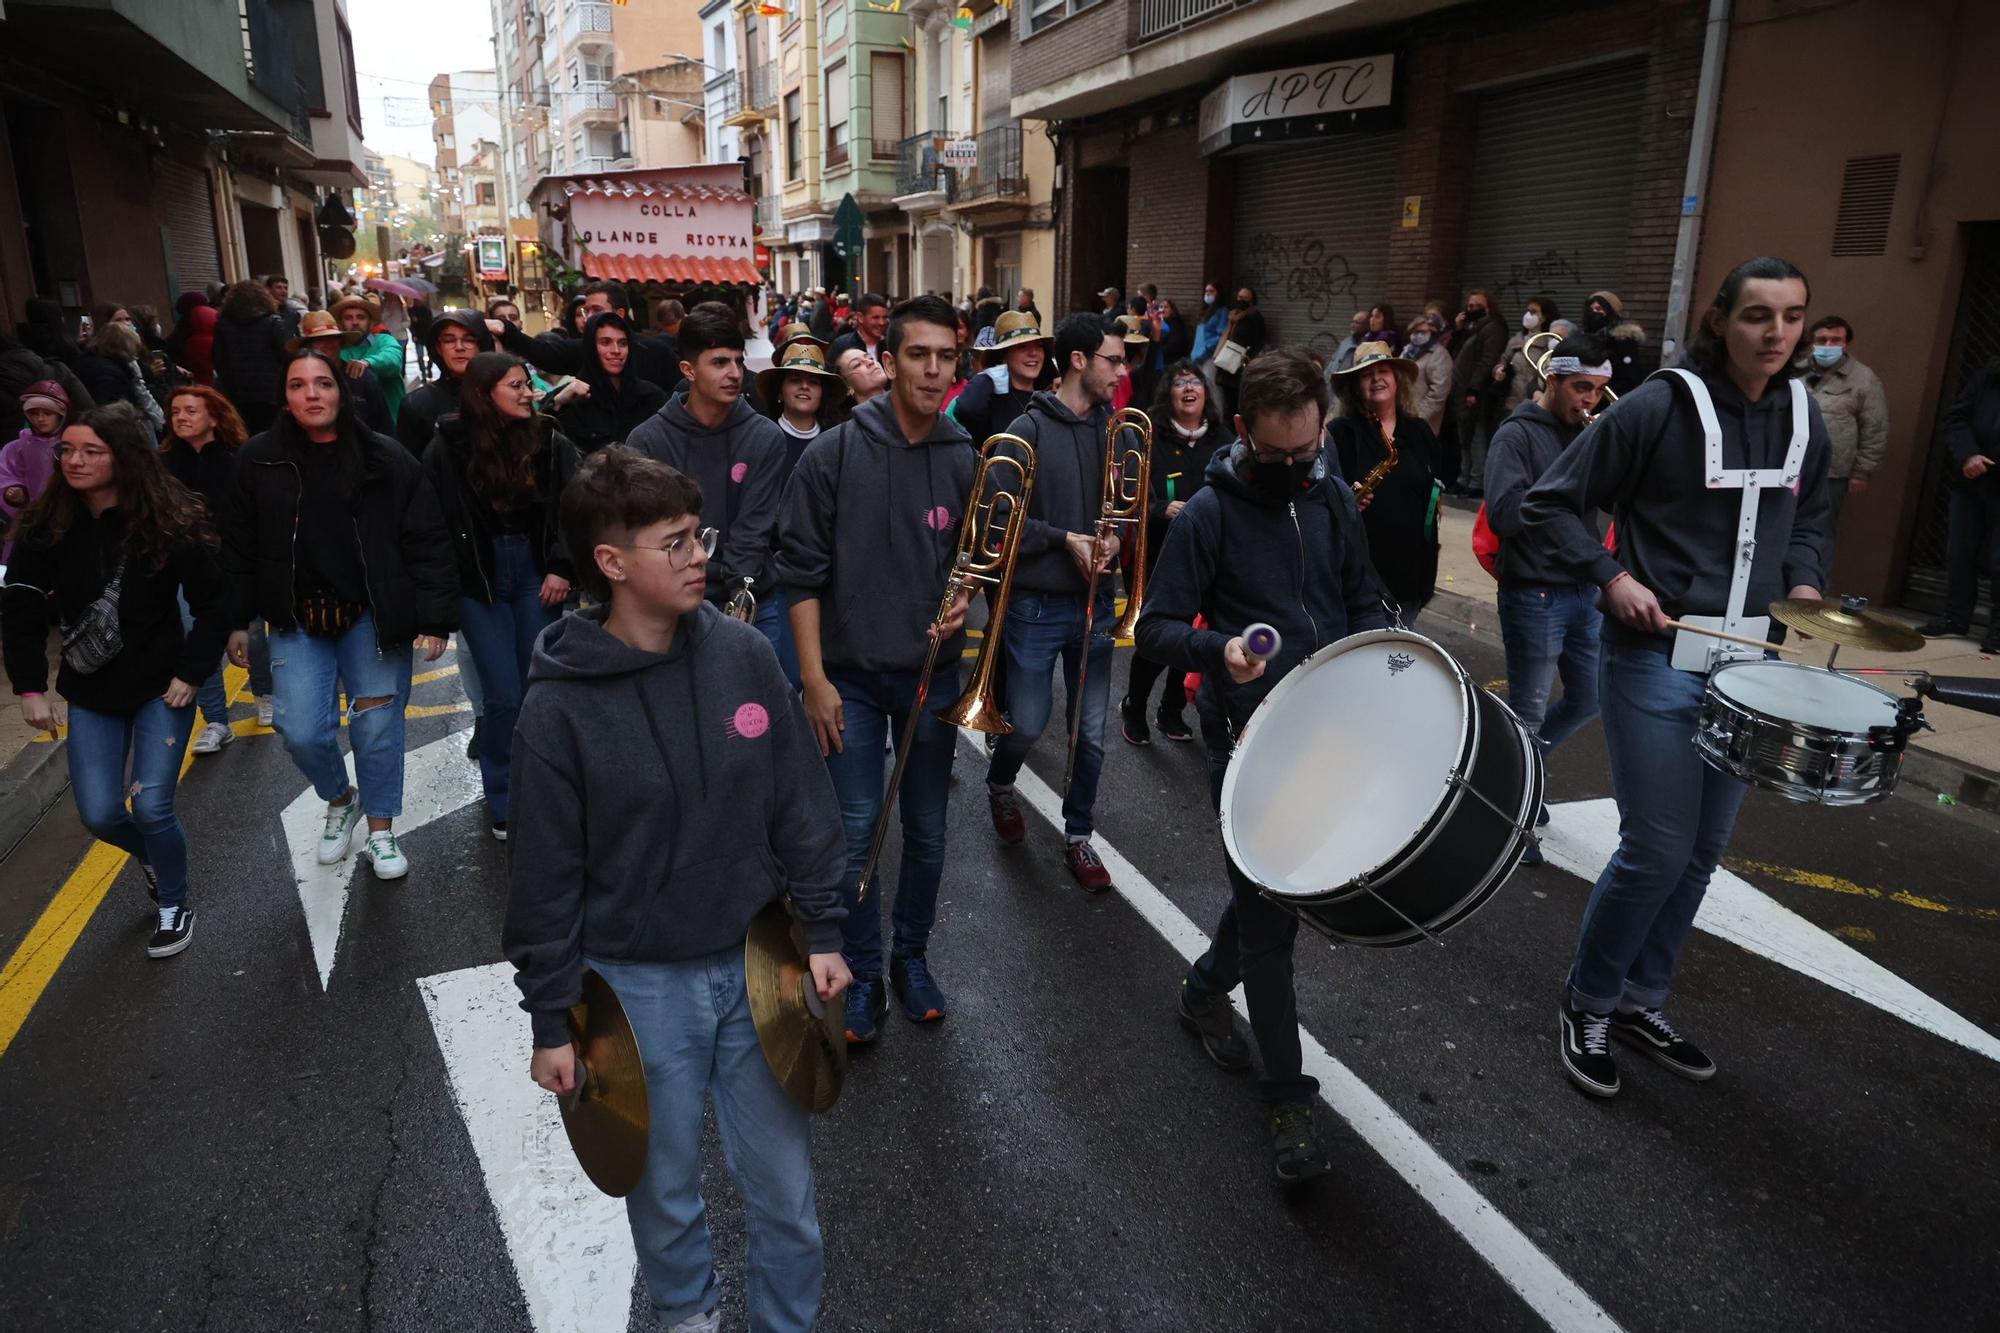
column 398, row 48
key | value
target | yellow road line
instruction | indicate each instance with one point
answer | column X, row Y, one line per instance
column 1813, row 879
column 55, row 932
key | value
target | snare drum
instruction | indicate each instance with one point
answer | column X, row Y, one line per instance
column 1804, row 732
column 1380, row 793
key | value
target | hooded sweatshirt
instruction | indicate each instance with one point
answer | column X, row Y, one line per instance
column 612, row 411
column 1236, row 556
column 1643, row 461
column 1069, row 488
column 740, row 468
column 660, row 802
column 1522, row 449
column 870, row 525
column 422, row 410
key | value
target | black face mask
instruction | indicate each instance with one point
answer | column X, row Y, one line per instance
column 1474, row 313
column 1240, row 305
column 1594, row 322
column 1281, row 481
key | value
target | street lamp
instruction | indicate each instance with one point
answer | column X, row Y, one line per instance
column 687, row 59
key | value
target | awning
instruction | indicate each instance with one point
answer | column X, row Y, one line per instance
column 672, row 268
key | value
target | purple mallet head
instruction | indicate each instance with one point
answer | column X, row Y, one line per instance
column 1261, row 640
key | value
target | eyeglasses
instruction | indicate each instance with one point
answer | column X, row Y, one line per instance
column 1304, row 454
column 1189, row 382
column 680, row 551
column 1118, row 361
column 516, row 386
column 82, row 451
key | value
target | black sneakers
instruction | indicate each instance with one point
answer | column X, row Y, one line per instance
column 1132, row 719
column 1649, row 1030
column 169, row 940
column 1295, row 1152
column 152, row 878
column 1586, row 1051
column 1173, row 725
column 1210, row 1018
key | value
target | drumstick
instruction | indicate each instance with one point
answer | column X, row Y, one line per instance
column 1260, row 642
column 1733, row 638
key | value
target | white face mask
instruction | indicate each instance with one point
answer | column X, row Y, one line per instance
column 1530, row 320
column 1208, row 298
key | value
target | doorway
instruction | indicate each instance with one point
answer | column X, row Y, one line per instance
column 1103, row 201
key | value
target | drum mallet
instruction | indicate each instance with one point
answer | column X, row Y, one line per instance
column 1261, row 642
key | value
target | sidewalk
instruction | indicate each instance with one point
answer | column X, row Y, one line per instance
column 33, row 774
column 1960, row 758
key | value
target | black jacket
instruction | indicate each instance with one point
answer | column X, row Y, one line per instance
column 209, row 471
column 1069, row 489
column 417, row 423
column 1180, row 469
column 1972, row 427
column 445, row 464
column 1401, row 525
column 74, row 571
column 1642, row 460
column 1522, row 449
column 250, row 358
column 1236, row 557
column 405, row 548
column 984, row 410
column 613, row 410
column 654, row 358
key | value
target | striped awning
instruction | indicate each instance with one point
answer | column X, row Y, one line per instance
column 672, row 268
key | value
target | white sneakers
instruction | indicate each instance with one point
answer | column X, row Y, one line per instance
column 385, row 856
column 339, row 832
column 211, row 738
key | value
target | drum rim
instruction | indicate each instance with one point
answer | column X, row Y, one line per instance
column 1715, row 700
column 1709, row 686
column 1449, row 793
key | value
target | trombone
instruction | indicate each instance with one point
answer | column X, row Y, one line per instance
column 989, row 543
column 1127, row 491
column 1541, row 367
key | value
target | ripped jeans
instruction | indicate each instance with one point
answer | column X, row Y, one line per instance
column 306, row 672
column 155, row 737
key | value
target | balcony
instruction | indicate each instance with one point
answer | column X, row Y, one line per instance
column 917, row 172
column 763, row 91
column 999, row 178
column 586, row 166
column 769, row 213
column 722, row 97
column 280, row 48
column 593, row 103
column 587, row 22
column 1161, row 18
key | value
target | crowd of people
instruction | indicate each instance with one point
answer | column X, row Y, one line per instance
column 693, row 605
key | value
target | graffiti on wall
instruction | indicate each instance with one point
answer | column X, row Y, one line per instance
column 1307, row 274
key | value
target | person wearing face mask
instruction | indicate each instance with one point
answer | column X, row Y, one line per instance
column 1425, row 350
column 1604, row 315
column 1247, row 329
column 1476, row 393
column 1270, row 539
column 1375, row 419
column 1855, row 409
column 1208, row 329
column 1514, row 371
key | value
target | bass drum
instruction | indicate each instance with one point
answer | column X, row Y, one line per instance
column 1379, row 793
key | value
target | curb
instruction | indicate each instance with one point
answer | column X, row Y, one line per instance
column 32, row 781
column 1962, row 782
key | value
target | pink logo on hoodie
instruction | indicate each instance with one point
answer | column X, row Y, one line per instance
column 938, row 519
column 739, row 472
column 749, row 721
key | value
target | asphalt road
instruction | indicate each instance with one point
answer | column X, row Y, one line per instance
column 216, row 1142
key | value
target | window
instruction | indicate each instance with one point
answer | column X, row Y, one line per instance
column 484, row 193
column 836, row 114
column 885, row 69
column 446, row 142
column 347, row 73
column 575, row 68
column 1046, row 12
column 794, row 148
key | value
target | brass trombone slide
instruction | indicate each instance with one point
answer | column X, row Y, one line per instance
column 989, row 543
column 1127, row 494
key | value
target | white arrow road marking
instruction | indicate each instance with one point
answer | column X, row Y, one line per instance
column 1581, row 837
column 1549, row 1292
column 437, row 779
column 570, row 1245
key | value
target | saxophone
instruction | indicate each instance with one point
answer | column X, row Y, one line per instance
column 1366, row 486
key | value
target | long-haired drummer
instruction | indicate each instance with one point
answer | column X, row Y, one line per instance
column 1273, row 539
column 1717, row 521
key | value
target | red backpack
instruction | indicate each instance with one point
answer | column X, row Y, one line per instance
column 1486, row 542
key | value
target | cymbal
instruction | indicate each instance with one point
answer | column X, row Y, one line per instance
column 1848, row 622
column 804, row 1038
column 606, row 1117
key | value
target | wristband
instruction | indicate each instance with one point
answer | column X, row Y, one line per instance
column 31, row 694
column 1621, row 574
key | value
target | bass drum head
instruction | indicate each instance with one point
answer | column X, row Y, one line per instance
column 1344, row 763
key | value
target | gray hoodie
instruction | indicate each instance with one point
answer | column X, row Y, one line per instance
column 740, row 467
column 1069, row 488
column 870, row 525
column 659, row 803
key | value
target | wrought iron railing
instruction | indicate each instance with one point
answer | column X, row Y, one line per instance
column 916, row 164
column 760, row 86
column 1158, row 18
column 999, row 174
column 725, row 94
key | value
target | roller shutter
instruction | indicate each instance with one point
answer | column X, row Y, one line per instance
column 1312, row 232
column 193, row 260
column 996, row 84
column 1540, row 221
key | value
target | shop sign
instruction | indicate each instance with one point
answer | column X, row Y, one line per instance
column 960, row 153
column 492, row 256
column 1303, row 101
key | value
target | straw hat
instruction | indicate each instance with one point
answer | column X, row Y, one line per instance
column 314, row 324
column 1376, row 354
column 792, row 330
column 1015, row 328
column 1135, row 329
column 374, row 310
column 800, row 356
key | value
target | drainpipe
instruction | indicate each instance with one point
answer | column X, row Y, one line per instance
column 1694, row 197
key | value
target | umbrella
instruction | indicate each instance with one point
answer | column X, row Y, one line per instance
column 424, row 286
column 391, row 287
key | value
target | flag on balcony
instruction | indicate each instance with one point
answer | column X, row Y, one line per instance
column 963, row 19
column 771, row 11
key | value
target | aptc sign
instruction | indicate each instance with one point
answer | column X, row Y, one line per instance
column 1303, row 101
column 492, row 256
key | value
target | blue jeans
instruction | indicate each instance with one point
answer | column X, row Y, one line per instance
column 1042, row 628
column 209, row 696
column 692, row 1021
column 874, row 706
column 1675, row 815
column 305, row 673
column 260, row 659
column 155, row 736
column 1550, row 629
column 775, row 621
column 1253, row 946
column 500, row 636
